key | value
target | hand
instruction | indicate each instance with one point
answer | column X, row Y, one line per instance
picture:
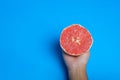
column 77, row 66
column 75, row 61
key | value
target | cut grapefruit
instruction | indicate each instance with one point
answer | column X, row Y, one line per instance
column 75, row 40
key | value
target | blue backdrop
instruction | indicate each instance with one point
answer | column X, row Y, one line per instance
column 30, row 31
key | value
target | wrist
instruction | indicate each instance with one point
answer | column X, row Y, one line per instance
column 77, row 67
column 78, row 73
column 81, row 69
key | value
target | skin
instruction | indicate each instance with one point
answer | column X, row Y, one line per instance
column 77, row 66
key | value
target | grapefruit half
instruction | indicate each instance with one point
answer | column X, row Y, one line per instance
column 75, row 40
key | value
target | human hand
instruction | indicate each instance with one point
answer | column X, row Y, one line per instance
column 75, row 61
column 77, row 65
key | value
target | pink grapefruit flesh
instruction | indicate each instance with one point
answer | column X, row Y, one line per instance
column 75, row 40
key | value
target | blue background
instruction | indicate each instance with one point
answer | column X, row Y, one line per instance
column 30, row 31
